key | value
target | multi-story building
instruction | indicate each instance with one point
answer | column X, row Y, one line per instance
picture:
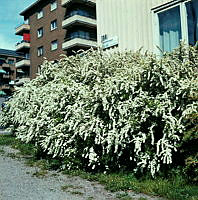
column 80, row 24
column 8, row 73
column 150, row 24
column 23, row 47
column 63, row 26
column 57, row 27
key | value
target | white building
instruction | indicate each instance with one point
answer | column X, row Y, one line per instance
column 132, row 24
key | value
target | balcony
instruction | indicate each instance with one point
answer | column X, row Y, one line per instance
column 6, row 65
column 23, row 28
column 77, row 18
column 21, row 80
column 79, row 41
column 6, row 76
column 5, row 87
column 88, row 2
column 22, row 63
column 22, row 45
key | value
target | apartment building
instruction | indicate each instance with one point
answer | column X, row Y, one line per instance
column 56, row 27
column 133, row 24
column 8, row 72
column 23, row 48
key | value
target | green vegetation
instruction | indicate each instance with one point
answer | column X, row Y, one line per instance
column 127, row 120
column 101, row 112
column 174, row 188
column 40, row 173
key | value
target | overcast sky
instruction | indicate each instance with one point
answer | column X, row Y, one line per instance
column 9, row 20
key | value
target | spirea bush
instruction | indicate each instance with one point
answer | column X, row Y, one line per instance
column 102, row 111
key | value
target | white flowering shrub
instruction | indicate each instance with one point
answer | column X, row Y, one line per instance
column 107, row 112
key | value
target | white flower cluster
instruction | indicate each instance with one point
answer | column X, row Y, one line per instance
column 107, row 110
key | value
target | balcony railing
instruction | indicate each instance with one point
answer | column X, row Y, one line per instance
column 24, row 62
column 77, row 19
column 5, row 87
column 81, row 37
column 80, row 13
column 6, row 76
column 6, row 65
column 22, row 28
column 24, row 44
column 79, row 41
column 21, row 80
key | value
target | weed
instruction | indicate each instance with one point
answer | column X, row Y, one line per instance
column 66, row 187
column 2, row 151
column 6, row 140
column 12, row 155
column 90, row 198
column 40, row 173
column 173, row 188
column 76, row 192
column 123, row 196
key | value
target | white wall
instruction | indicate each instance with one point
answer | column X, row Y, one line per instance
column 130, row 20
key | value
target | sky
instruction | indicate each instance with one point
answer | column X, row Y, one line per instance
column 9, row 20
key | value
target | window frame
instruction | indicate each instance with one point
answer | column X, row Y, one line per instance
column 42, row 32
column 183, row 20
column 51, row 25
column 11, row 61
column 39, row 15
column 40, row 51
column 54, row 42
column 52, row 7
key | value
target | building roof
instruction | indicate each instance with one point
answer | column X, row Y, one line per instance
column 31, row 7
column 7, row 52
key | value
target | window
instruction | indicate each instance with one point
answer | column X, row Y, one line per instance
column 192, row 20
column 178, row 23
column 54, row 45
column 40, row 51
column 80, row 34
column 40, row 32
column 26, row 21
column 40, row 14
column 53, row 6
column 79, row 12
column 10, row 61
column 170, row 28
column 53, row 25
column 39, row 69
column 27, row 56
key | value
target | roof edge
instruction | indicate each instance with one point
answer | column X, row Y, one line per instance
column 23, row 13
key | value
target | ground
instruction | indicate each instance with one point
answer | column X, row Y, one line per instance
column 21, row 182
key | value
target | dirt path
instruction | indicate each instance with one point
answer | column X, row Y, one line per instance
column 20, row 182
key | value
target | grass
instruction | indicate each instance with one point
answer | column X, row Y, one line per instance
column 40, row 174
column 66, row 188
column 76, row 192
column 174, row 188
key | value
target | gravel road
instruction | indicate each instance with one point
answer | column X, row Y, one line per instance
column 17, row 182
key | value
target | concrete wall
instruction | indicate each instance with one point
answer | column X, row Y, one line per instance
column 130, row 20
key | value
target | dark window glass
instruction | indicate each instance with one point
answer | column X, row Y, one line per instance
column 170, row 29
column 192, row 17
